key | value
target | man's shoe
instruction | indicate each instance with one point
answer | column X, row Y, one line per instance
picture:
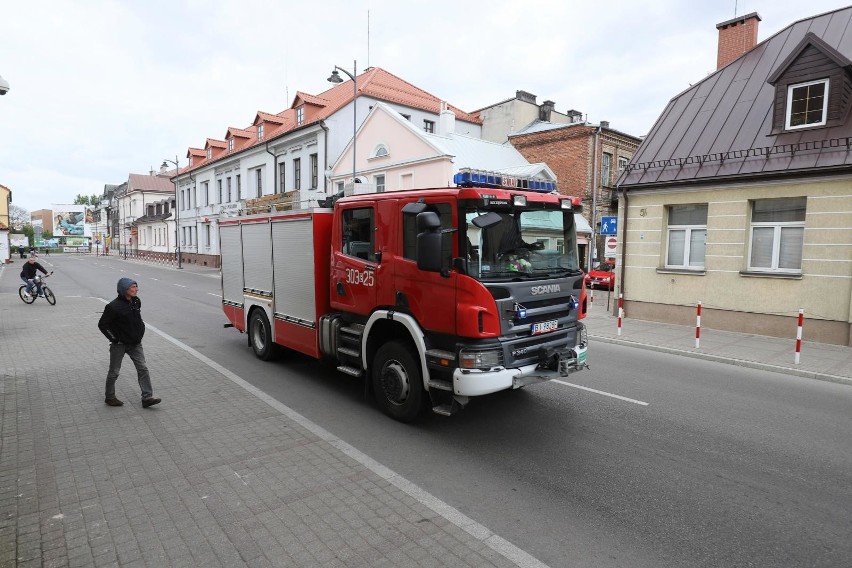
column 150, row 402
column 113, row 402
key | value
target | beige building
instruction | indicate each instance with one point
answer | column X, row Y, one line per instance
column 739, row 197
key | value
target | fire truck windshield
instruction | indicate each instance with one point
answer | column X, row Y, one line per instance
column 528, row 243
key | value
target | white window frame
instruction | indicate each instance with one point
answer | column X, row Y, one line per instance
column 380, row 182
column 687, row 231
column 778, row 227
column 231, row 145
column 381, row 151
column 260, row 132
column 789, row 110
column 300, row 115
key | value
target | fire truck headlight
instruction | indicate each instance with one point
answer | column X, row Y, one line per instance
column 519, row 200
column 566, row 204
column 480, row 358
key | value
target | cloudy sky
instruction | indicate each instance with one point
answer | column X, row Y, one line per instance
column 101, row 89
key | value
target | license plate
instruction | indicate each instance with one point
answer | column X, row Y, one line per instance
column 581, row 356
column 544, row 327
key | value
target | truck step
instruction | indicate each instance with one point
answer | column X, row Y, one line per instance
column 440, row 384
column 446, row 409
column 353, row 329
column 352, row 371
column 349, row 351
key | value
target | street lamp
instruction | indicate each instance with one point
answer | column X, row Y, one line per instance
column 335, row 78
column 177, row 206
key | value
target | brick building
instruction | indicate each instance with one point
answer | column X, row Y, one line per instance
column 583, row 156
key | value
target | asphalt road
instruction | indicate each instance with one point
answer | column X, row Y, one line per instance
column 695, row 464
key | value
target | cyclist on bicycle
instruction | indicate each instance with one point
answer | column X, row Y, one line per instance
column 28, row 274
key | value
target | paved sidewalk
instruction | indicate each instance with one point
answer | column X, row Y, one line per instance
column 219, row 474
column 817, row 360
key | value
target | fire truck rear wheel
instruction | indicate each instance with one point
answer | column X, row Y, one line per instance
column 260, row 336
column 397, row 382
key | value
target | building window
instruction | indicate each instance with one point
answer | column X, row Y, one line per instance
column 777, row 234
column 314, row 171
column 381, row 151
column 209, row 153
column 300, row 115
column 282, row 177
column 219, row 186
column 297, row 173
column 207, row 235
column 229, row 190
column 258, row 182
column 429, row 126
column 622, row 163
column 339, row 187
column 807, row 104
column 687, row 236
column 260, row 132
column 606, row 168
column 380, row 183
column 205, row 189
column 231, row 145
column 406, row 116
column 239, row 189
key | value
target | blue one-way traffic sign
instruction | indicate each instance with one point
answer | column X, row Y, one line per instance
column 609, row 225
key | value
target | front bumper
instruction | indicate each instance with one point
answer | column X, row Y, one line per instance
column 560, row 363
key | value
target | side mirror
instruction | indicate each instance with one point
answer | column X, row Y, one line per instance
column 428, row 244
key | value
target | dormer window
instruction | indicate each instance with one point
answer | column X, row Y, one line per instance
column 300, row 115
column 260, row 132
column 231, row 145
column 807, row 104
column 209, row 153
column 190, row 160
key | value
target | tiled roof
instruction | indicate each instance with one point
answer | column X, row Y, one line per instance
column 239, row 132
column 144, row 182
column 374, row 82
column 722, row 127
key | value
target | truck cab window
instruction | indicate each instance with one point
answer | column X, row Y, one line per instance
column 358, row 233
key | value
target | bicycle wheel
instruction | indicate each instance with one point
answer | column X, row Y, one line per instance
column 48, row 295
column 24, row 298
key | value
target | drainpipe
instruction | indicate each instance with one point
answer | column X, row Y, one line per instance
column 325, row 158
column 594, row 244
column 274, row 170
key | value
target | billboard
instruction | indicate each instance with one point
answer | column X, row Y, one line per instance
column 72, row 221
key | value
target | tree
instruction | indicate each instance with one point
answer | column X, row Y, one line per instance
column 81, row 200
column 28, row 231
column 18, row 217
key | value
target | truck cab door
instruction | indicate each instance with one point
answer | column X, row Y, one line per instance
column 354, row 264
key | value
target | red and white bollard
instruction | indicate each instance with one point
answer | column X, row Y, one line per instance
column 799, row 334
column 698, row 326
column 620, row 312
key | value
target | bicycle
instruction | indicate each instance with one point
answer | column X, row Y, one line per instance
column 46, row 293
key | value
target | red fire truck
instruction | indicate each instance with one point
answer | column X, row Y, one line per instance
column 433, row 296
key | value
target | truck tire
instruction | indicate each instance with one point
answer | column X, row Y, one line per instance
column 398, row 382
column 260, row 336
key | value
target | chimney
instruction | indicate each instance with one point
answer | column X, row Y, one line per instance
column 736, row 37
column 525, row 96
column 545, row 110
column 574, row 116
column 604, row 124
column 446, row 121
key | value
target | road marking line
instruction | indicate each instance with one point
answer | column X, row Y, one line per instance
column 181, row 285
column 482, row 533
column 157, row 279
column 212, row 294
column 624, row 398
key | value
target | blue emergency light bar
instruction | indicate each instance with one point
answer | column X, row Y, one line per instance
column 468, row 177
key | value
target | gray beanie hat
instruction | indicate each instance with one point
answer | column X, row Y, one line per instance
column 124, row 284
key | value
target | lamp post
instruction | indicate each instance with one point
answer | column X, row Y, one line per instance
column 335, row 78
column 177, row 206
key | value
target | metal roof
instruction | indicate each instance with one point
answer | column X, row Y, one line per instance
column 721, row 128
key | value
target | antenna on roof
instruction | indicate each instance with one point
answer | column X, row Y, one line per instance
column 735, row 8
column 368, row 38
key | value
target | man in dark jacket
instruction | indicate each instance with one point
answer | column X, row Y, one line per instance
column 28, row 273
column 122, row 324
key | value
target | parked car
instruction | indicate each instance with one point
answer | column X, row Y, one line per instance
column 603, row 275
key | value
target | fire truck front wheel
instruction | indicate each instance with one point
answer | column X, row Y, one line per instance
column 397, row 382
column 260, row 336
